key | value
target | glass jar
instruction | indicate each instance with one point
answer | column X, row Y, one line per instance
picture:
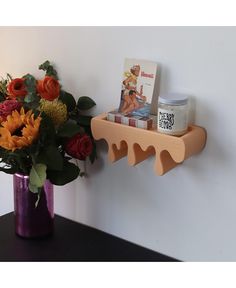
column 172, row 115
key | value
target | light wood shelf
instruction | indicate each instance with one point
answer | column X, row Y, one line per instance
column 139, row 144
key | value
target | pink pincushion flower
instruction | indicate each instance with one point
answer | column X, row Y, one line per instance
column 7, row 107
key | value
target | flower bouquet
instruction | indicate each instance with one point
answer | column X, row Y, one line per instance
column 43, row 130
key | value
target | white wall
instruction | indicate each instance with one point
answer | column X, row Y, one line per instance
column 190, row 213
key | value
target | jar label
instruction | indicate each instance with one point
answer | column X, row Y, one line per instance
column 172, row 121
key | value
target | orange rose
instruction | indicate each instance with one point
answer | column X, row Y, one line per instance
column 48, row 88
column 16, row 88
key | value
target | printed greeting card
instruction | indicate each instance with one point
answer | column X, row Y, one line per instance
column 138, row 87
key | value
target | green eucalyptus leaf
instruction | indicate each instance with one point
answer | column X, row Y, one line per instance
column 47, row 131
column 38, row 175
column 93, row 155
column 33, row 188
column 50, row 71
column 51, row 157
column 84, row 120
column 69, row 129
column 85, row 103
column 68, row 100
column 31, row 97
column 44, row 66
column 69, row 172
column 30, row 83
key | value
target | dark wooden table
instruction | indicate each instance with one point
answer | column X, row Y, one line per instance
column 71, row 241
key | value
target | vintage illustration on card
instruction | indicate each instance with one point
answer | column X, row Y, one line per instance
column 137, row 87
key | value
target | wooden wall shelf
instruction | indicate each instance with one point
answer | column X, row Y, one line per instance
column 139, row 144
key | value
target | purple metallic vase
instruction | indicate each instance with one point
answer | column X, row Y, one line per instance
column 31, row 221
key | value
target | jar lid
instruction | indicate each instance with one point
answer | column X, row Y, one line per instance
column 173, row 99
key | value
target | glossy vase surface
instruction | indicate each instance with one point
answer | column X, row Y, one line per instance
column 32, row 221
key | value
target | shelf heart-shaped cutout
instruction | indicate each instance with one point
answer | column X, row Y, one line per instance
column 164, row 162
column 139, row 144
column 116, row 153
column 136, row 154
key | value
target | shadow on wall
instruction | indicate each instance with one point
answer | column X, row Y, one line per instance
column 214, row 152
column 192, row 110
column 201, row 114
column 99, row 164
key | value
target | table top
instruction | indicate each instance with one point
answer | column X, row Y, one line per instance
column 71, row 241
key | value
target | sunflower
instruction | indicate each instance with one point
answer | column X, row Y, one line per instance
column 55, row 109
column 19, row 130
